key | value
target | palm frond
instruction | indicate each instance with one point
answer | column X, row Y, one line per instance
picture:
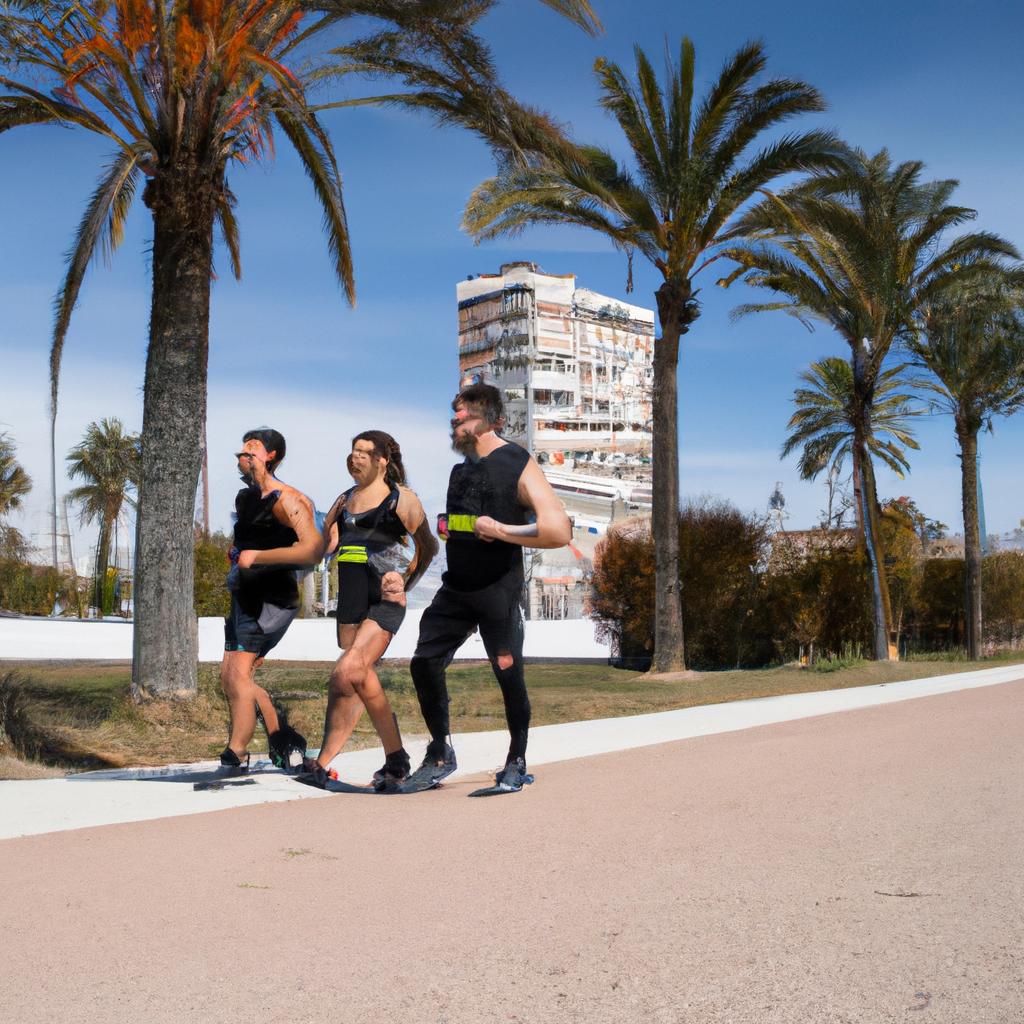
column 307, row 136
column 101, row 228
column 225, row 211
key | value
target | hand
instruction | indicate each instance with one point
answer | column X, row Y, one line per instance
column 246, row 559
column 487, row 529
column 392, row 588
column 392, row 583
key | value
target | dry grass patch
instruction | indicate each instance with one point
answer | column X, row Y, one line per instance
column 80, row 715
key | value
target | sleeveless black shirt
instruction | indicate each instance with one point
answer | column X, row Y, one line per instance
column 379, row 530
column 486, row 487
column 256, row 528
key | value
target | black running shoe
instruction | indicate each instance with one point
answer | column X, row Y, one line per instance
column 513, row 776
column 284, row 741
column 394, row 772
column 233, row 764
column 435, row 768
column 315, row 774
column 284, row 744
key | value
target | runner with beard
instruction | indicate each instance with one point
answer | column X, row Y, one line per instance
column 275, row 534
column 499, row 502
column 368, row 526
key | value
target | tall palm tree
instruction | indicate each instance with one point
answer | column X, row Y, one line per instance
column 15, row 483
column 694, row 169
column 108, row 461
column 861, row 248
column 183, row 92
column 824, row 424
column 973, row 348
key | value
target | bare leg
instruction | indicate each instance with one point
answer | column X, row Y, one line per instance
column 236, row 680
column 344, row 709
column 357, row 672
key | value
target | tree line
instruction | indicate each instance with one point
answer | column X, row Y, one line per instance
column 186, row 93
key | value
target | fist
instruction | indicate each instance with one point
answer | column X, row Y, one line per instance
column 392, row 583
column 487, row 528
column 246, row 559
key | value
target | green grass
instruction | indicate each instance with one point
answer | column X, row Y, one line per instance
column 81, row 713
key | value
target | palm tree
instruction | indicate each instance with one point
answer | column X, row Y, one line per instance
column 824, row 424
column 15, row 483
column 182, row 91
column 973, row 348
column 694, row 170
column 860, row 247
column 108, row 460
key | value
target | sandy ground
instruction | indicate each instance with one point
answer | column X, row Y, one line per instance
column 855, row 867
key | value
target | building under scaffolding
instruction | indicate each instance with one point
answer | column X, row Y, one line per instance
column 576, row 370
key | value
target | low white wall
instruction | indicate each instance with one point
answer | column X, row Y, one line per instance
column 306, row 640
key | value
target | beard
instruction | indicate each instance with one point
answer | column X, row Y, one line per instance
column 464, row 444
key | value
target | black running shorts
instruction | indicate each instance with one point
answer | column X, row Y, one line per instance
column 359, row 598
column 256, row 634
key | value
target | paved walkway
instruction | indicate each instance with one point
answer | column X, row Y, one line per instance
column 853, row 868
column 111, row 797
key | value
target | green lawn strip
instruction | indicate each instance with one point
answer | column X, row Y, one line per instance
column 87, row 707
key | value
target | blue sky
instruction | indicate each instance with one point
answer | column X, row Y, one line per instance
column 940, row 82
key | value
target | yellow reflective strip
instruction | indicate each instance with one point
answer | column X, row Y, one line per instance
column 462, row 524
column 352, row 553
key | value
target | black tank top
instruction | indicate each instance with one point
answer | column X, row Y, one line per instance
column 379, row 530
column 485, row 487
column 257, row 528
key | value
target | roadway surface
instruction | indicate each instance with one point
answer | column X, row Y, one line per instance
column 862, row 866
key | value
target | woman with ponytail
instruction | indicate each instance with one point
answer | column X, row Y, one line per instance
column 369, row 526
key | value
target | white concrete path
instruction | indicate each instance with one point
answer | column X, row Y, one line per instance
column 42, row 639
column 140, row 794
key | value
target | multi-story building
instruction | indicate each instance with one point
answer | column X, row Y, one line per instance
column 576, row 370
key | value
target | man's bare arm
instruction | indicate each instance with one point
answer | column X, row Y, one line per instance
column 552, row 528
column 295, row 510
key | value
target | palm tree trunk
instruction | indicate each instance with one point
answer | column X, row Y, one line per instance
column 53, row 478
column 102, row 558
column 968, row 441
column 863, row 385
column 166, row 635
column 669, row 656
column 858, row 507
column 881, row 602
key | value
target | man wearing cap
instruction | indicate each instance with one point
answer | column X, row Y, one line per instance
column 499, row 502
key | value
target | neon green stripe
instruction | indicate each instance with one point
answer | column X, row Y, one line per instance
column 461, row 524
column 352, row 553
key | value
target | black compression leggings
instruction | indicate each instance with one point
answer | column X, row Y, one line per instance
column 428, row 674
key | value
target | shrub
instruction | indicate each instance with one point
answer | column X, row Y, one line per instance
column 211, row 567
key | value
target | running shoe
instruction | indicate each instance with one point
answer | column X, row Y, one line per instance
column 315, row 774
column 513, row 776
column 232, row 763
column 394, row 772
column 435, row 768
column 285, row 741
column 287, row 747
